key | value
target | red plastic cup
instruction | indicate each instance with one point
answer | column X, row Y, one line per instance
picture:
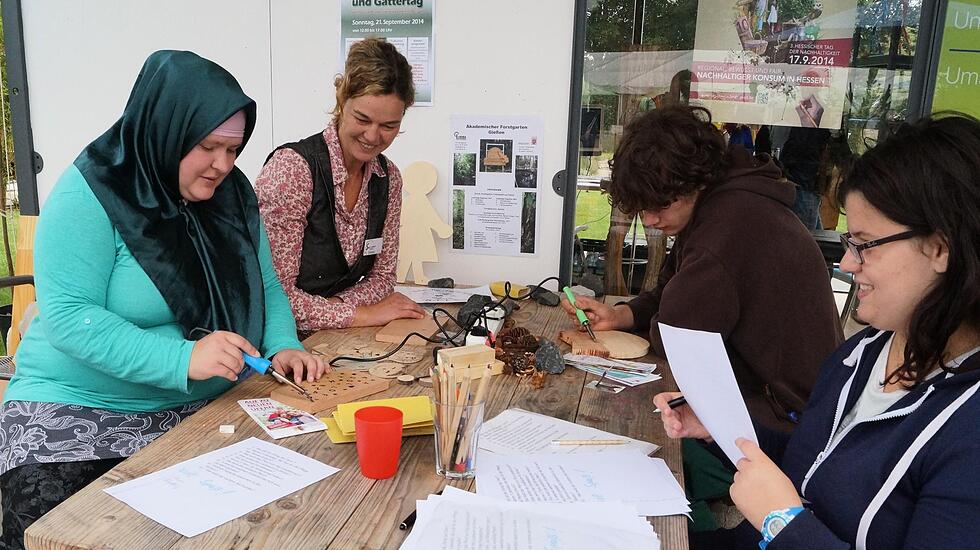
column 379, row 440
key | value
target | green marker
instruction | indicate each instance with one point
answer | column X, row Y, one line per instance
column 582, row 318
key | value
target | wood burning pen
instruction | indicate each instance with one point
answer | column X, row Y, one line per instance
column 582, row 318
column 262, row 365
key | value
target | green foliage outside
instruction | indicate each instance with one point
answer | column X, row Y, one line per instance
column 794, row 9
column 459, row 211
column 11, row 215
column 464, row 169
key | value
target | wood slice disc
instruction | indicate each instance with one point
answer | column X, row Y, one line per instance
column 611, row 343
column 408, row 355
column 406, row 379
column 386, row 370
column 623, row 345
column 361, row 350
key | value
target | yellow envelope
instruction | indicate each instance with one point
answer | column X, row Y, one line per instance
column 337, row 436
column 416, row 410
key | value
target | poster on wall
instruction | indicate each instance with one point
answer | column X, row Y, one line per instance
column 495, row 177
column 958, row 74
column 407, row 24
column 780, row 62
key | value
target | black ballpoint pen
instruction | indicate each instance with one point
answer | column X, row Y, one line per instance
column 409, row 520
column 674, row 403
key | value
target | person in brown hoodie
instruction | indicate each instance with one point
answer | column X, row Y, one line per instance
column 742, row 263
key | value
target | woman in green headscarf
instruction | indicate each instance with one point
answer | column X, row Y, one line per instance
column 154, row 276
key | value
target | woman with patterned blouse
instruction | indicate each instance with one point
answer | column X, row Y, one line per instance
column 332, row 202
column 154, row 276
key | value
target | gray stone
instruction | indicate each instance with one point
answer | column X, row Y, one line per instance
column 544, row 296
column 445, row 282
column 548, row 358
column 594, row 283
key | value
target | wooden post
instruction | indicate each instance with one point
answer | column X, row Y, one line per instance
column 24, row 265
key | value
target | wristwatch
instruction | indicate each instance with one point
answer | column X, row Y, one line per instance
column 775, row 522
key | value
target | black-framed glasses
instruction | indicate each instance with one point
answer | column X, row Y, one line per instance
column 857, row 249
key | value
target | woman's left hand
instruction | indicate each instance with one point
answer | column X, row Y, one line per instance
column 299, row 362
column 760, row 486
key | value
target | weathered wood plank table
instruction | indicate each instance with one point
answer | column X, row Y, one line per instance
column 346, row 510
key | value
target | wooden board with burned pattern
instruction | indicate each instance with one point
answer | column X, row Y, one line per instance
column 332, row 389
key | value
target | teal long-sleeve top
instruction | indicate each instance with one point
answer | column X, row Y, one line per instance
column 104, row 337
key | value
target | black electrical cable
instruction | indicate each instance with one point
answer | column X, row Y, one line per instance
column 442, row 326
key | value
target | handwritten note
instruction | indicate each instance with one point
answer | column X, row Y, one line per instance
column 629, row 477
column 204, row 492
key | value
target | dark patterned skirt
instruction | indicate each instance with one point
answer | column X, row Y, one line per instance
column 49, row 451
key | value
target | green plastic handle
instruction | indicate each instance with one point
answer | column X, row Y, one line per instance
column 578, row 312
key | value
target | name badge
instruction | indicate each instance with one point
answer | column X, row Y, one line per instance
column 372, row 247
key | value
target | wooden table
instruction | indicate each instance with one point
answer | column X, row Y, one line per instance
column 346, row 510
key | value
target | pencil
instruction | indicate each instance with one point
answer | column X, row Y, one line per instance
column 462, row 453
column 458, row 418
column 589, row 441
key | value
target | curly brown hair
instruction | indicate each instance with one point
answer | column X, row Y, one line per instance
column 374, row 67
column 666, row 154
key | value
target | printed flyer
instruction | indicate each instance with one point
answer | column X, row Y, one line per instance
column 279, row 420
column 407, row 24
column 781, row 62
column 495, row 184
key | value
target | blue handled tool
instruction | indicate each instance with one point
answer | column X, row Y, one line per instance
column 582, row 318
column 262, row 365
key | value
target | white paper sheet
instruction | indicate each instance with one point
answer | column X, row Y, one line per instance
column 459, row 520
column 206, row 491
column 629, row 477
column 703, row 373
column 519, row 432
column 425, row 295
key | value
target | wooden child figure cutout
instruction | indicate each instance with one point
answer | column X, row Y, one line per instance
column 419, row 220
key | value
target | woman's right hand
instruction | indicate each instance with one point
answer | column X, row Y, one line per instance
column 680, row 422
column 219, row 354
column 601, row 316
column 395, row 306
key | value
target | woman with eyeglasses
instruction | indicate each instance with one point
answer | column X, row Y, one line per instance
column 332, row 202
column 887, row 450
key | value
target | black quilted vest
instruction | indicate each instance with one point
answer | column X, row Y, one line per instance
column 323, row 268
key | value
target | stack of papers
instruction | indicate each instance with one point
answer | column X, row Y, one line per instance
column 416, row 420
column 629, row 477
column 459, row 520
column 629, row 373
column 519, row 432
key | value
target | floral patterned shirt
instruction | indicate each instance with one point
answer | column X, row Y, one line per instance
column 285, row 192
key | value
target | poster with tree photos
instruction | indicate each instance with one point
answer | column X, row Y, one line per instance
column 495, row 183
